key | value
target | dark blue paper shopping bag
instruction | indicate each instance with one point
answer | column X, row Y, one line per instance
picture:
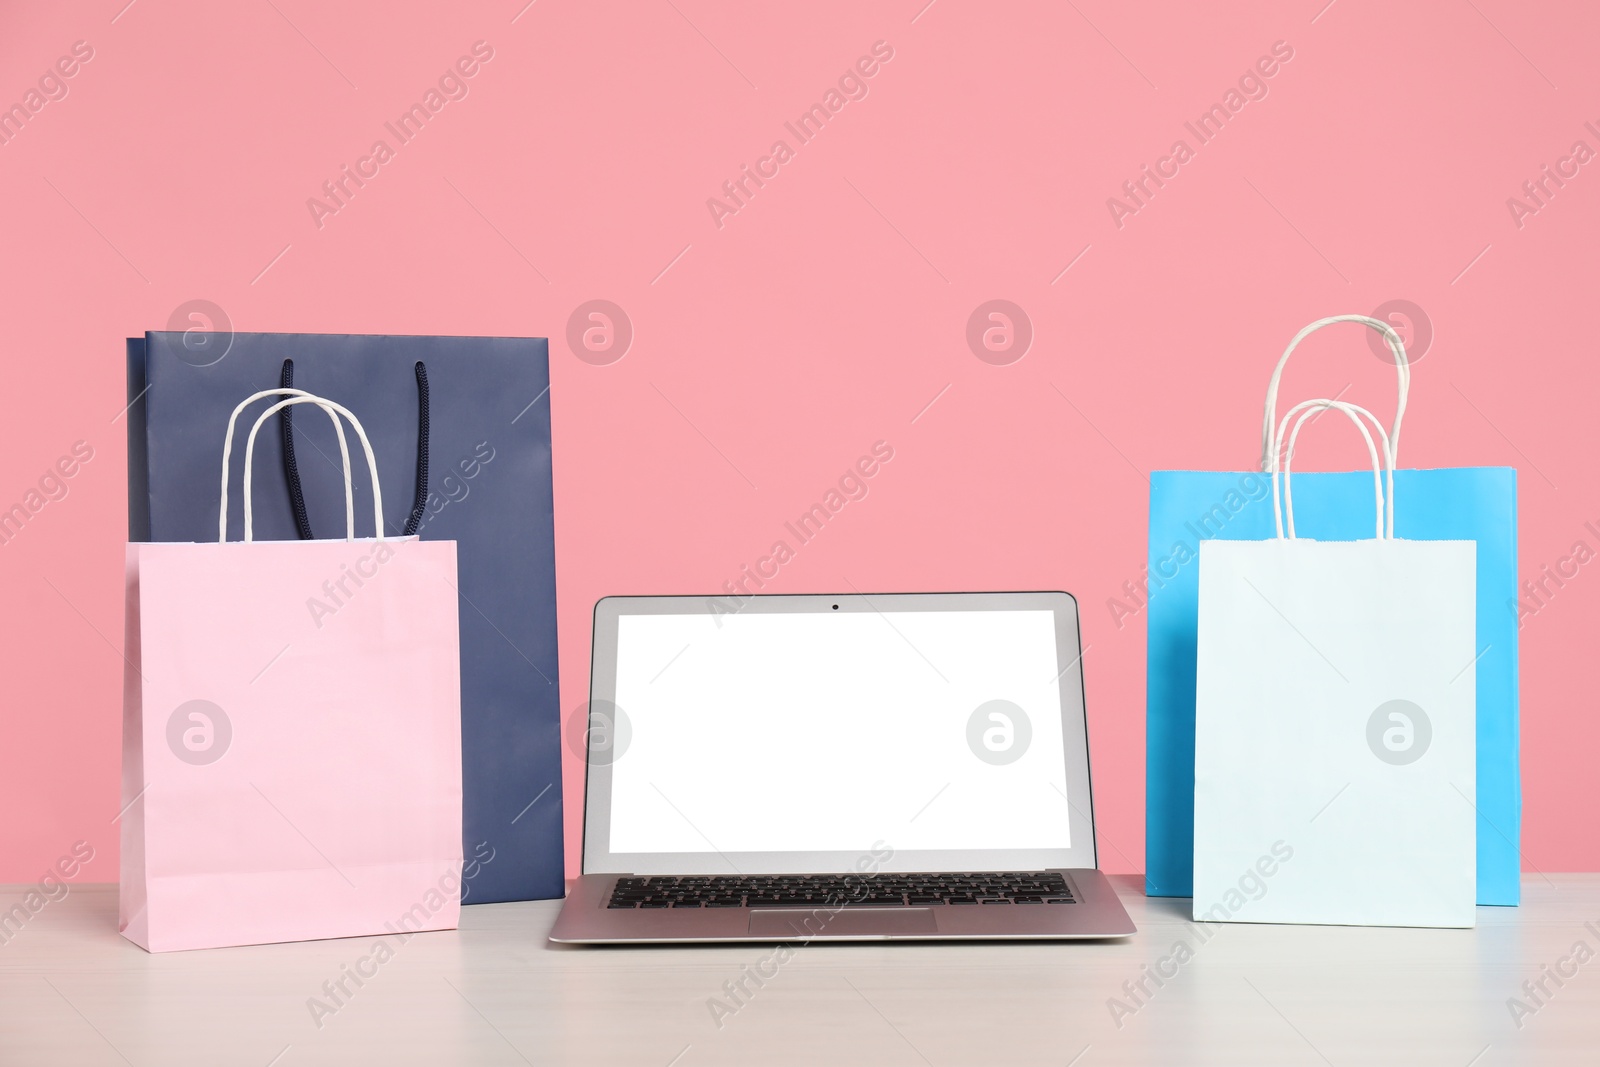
column 1452, row 504
column 461, row 430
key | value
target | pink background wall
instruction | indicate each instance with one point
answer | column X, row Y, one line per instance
column 831, row 310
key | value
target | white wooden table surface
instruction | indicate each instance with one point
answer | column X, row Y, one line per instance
column 496, row 992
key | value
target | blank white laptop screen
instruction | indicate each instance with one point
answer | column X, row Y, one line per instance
column 819, row 732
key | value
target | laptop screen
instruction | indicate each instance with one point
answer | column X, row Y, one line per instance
column 839, row 732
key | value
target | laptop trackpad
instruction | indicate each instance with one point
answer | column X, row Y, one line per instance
column 848, row 922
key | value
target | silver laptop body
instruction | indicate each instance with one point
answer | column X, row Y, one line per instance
column 853, row 767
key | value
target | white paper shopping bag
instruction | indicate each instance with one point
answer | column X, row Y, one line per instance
column 1335, row 722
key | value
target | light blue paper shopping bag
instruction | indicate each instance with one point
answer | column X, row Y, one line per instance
column 1451, row 504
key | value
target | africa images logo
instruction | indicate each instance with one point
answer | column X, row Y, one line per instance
column 1252, row 85
column 453, row 84
column 1399, row 732
column 199, row 732
column 599, row 332
column 999, row 332
column 999, row 732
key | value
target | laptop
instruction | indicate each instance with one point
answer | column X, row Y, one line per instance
column 838, row 768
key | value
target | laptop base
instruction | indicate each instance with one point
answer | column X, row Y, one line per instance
column 587, row 918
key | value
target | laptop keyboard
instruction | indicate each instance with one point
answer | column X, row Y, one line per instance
column 833, row 890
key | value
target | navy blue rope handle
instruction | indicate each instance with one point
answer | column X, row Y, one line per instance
column 291, row 469
column 420, row 500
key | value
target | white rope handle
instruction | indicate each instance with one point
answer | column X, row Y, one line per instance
column 1307, row 410
column 1351, row 411
column 227, row 454
column 366, row 446
column 1269, row 443
column 1385, row 452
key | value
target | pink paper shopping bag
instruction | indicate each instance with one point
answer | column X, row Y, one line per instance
column 291, row 764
